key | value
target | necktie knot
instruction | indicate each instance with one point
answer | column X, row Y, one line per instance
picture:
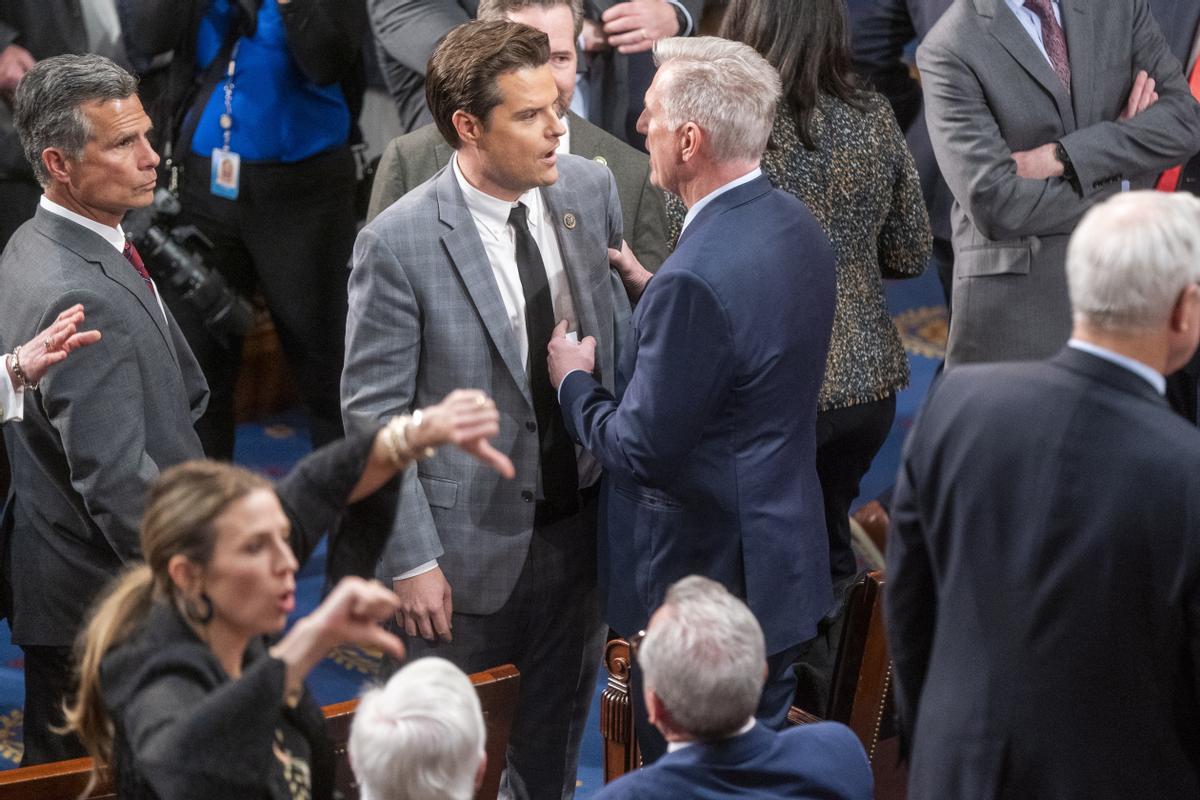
column 519, row 215
column 135, row 259
column 1040, row 7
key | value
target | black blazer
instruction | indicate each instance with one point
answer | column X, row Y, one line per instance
column 183, row 729
column 1043, row 601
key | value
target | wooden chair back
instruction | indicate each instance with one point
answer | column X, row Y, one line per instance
column 860, row 693
column 498, row 690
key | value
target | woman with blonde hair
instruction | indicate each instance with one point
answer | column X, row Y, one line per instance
column 181, row 689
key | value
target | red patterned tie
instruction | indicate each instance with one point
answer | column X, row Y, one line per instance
column 1053, row 40
column 132, row 256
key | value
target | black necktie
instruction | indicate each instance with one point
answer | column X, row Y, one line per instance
column 560, row 477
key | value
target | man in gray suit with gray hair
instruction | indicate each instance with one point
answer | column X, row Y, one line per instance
column 94, row 435
column 461, row 282
column 1038, row 109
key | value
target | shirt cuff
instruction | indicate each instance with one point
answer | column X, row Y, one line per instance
column 12, row 398
column 690, row 24
column 428, row 566
column 564, row 380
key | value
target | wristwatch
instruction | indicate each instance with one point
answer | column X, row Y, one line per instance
column 1060, row 153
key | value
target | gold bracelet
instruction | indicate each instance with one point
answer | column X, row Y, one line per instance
column 415, row 422
column 393, row 440
column 15, row 363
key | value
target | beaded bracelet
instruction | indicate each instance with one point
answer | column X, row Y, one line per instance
column 15, row 363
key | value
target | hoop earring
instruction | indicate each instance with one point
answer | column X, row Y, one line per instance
column 199, row 611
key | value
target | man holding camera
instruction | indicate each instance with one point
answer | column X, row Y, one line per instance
column 95, row 435
column 256, row 110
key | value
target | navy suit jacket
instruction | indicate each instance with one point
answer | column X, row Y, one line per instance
column 710, row 454
column 824, row 761
column 1043, row 601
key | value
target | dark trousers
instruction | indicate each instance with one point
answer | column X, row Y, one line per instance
column 289, row 233
column 550, row 630
column 778, row 693
column 48, row 681
column 847, row 440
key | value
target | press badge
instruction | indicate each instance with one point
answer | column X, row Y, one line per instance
column 226, row 169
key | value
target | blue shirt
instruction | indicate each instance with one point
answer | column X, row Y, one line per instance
column 278, row 113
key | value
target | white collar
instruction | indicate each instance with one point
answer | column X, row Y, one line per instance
column 492, row 212
column 114, row 236
column 564, row 141
column 708, row 198
column 673, row 746
column 1144, row 371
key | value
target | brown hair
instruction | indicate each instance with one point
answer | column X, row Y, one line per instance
column 184, row 503
column 500, row 9
column 463, row 70
column 808, row 43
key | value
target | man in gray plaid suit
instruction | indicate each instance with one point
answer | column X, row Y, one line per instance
column 461, row 283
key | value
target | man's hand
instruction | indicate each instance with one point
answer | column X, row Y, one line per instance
column 1039, row 163
column 635, row 25
column 593, row 37
column 1141, row 97
column 15, row 61
column 425, row 605
column 54, row 344
column 567, row 356
column 633, row 275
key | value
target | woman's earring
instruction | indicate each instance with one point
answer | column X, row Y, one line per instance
column 200, row 610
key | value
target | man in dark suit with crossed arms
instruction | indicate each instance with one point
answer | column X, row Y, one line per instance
column 1043, row 602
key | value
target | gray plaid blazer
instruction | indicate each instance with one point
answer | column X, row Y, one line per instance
column 425, row 318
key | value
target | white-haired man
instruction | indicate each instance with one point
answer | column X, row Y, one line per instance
column 704, row 664
column 710, row 451
column 421, row 736
column 1044, row 593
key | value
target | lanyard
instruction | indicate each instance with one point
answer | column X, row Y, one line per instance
column 227, row 117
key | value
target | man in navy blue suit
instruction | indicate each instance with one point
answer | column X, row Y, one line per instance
column 704, row 662
column 709, row 453
column 1043, row 603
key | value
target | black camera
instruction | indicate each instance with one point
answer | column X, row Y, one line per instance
column 173, row 259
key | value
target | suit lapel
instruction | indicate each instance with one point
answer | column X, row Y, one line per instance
column 469, row 259
column 560, row 202
column 1007, row 30
column 91, row 247
column 1078, row 27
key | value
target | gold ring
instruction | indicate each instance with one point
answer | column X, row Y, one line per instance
column 46, row 344
column 481, row 401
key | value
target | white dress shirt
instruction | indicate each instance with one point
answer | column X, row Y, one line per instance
column 1144, row 371
column 673, row 746
column 1032, row 23
column 114, row 236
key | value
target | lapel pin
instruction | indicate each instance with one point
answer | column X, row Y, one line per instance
column 569, row 221
column 601, row 160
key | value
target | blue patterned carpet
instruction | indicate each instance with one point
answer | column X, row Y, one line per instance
column 273, row 446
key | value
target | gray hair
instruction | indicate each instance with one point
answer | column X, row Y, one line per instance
column 705, row 659
column 47, row 107
column 725, row 87
column 498, row 10
column 1130, row 258
column 420, row 737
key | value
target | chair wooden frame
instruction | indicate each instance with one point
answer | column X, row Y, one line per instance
column 859, row 695
column 498, row 690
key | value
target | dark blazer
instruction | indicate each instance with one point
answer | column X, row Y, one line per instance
column 989, row 93
column 824, row 761
column 44, row 28
column 166, row 691
column 1043, row 603
column 412, row 159
column 94, row 436
column 881, row 34
column 709, row 454
column 184, row 730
